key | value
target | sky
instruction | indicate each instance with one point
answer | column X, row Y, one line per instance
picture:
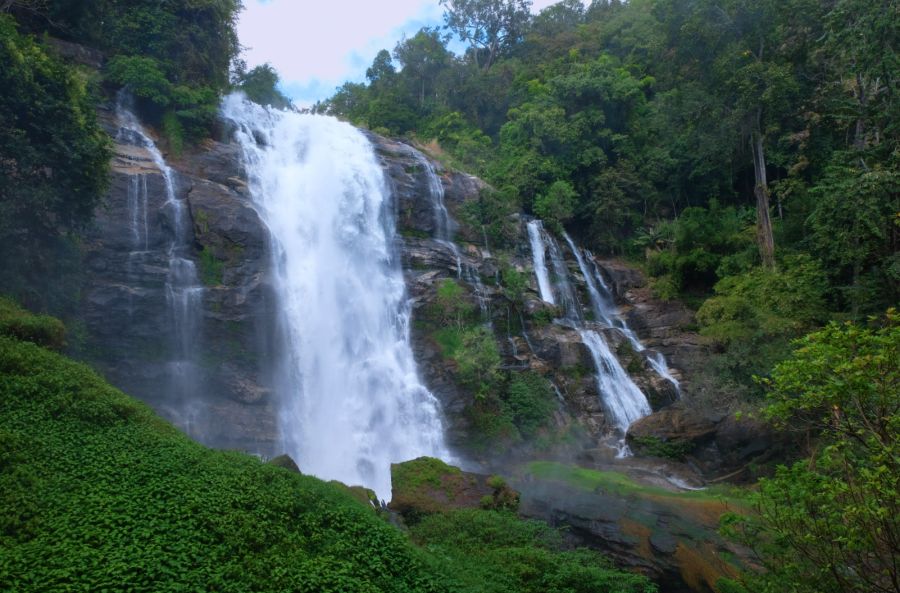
column 318, row 45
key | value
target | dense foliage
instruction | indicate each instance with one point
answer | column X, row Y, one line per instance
column 175, row 56
column 508, row 405
column 832, row 523
column 715, row 140
column 53, row 166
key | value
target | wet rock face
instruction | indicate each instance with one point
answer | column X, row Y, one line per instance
column 671, row 538
column 128, row 315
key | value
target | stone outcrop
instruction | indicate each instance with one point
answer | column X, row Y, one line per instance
column 668, row 536
column 425, row 486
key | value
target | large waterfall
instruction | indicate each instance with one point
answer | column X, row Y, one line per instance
column 184, row 293
column 351, row 401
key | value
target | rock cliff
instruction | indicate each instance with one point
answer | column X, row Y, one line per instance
column 127, row 308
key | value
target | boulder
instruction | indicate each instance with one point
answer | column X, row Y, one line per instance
column 427, row 485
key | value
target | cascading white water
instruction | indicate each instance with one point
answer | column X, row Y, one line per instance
column 538, row 250
column 138, row 198
column 564, row 291
column 445, row 227
column 351, row 401
column 623, row 399
column 184, row 293
column 605, row 311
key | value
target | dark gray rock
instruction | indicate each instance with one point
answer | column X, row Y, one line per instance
column 127, row 313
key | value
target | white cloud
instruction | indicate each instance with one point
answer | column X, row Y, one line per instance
column 316, row 45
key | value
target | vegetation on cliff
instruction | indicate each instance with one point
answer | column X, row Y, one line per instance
column 54, row 162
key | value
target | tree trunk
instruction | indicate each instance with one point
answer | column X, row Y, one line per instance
column 764, row 236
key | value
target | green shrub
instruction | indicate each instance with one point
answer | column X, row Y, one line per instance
column 211, row 268
column 142, row 76
column 478, row 361
column 20, row 324
column 96, row 491
column 531, row 402
column 656, row 447
column 755, row 315
column 451, row 304
column 556, row 205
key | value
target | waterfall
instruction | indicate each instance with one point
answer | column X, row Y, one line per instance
column 605, row 311
column 622, row 398
column 184, row 293
column 538, row 249
column 445, row 227
column 565, row 292
column 351, row 401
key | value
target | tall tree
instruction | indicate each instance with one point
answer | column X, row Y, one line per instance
column 422, row 57
column 488, row 26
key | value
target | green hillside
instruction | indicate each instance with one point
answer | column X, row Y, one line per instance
column 99, row 494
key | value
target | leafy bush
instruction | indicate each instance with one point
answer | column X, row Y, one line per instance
column 709, row 244
column 557, row 204
column 831, row 523
column 20, row 324
column 142, row 76
column 756, row 314
column 96, row 491
column 531, row 402
column 452, row 306
column 260, row 85
column 478, row 361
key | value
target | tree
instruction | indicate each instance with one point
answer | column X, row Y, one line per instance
column 382, row 71
column 557, row 204
column 831, row 524
column 558, row 18
column 489, row 26
column 422, row 57
column 54, row 163
column 261, row 86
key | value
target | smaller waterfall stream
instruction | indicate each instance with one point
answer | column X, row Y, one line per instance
column 184, row 293
column 606, row 312
column 622, row 398
column 445, row 227
column 538, row 250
